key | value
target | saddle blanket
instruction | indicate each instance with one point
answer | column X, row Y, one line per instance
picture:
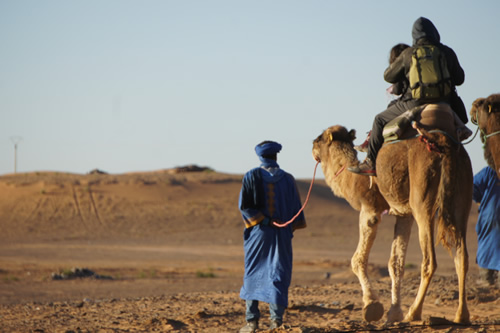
column 430, row 116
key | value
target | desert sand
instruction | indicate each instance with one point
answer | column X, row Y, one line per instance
column 165, row 250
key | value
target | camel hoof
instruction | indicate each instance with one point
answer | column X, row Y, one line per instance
column 373, row 311
column 462, row 316
column 409, row 318
column 462, row 320
column 395, row 314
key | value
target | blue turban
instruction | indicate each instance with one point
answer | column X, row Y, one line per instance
column 268, row 148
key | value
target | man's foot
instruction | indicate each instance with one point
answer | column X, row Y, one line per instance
column 488, row 277
column 250, row 327
column 364, row 146
column 366, row 168
column 275, row 324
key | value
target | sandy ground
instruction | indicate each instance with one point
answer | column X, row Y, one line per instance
column 167, row 248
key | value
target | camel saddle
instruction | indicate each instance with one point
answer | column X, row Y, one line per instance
column 428, row 117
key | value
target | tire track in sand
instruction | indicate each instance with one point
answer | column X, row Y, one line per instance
column 77, row 205
column 33, row 211
column 86, row 209
column 96, row 211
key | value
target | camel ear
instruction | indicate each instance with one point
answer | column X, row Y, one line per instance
column 330, row 137
column 352, row 134
column 491, row 104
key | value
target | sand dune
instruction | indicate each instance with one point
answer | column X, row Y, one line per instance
column 171, row 242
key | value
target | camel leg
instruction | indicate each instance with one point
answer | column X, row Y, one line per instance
column 461, row 216
column 373, row 310
column 428, row 266
column 462, row 266
column 402, row 231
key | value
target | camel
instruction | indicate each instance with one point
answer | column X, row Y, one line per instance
column 485, row 113
column 414, row 184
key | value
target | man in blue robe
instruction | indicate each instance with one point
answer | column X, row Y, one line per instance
column 268, row 195
column 487, row 194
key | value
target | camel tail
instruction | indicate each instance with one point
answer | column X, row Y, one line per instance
column 446, row 225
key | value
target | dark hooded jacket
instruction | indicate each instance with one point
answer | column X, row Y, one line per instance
column 425, row 33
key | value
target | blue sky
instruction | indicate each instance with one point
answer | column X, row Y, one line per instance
column 124, row 85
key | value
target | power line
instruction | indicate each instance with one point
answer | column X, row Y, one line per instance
column 15, row 140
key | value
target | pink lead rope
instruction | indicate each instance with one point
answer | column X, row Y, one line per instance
column 303, row 206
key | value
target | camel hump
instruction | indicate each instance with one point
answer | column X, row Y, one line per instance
column 437, row 116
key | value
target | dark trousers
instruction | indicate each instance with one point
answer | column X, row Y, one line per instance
column 253, row 313
column 393, row 110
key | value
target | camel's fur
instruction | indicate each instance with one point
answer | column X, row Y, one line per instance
column 334, row 148
column 412, row 182
column 485, row 113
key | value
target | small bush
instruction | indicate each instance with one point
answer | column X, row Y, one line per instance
column 201, row 274
column 145, row 275
column 10, row 278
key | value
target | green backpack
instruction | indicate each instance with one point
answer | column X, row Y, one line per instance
column 429, row 77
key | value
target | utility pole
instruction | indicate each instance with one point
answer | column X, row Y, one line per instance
column 15, row 140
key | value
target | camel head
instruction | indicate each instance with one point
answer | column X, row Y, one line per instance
column 485, row 113
column 330, row 136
